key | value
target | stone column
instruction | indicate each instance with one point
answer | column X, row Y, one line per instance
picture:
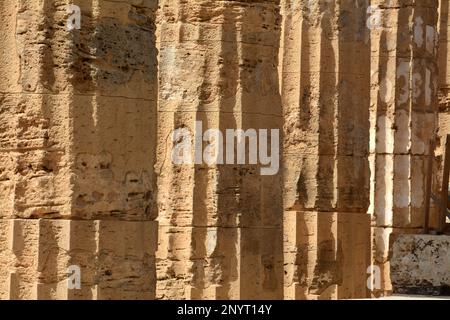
column 220, row 224
column 444, row 86
column 77, row 144
column 325, row 81
column 403, row 118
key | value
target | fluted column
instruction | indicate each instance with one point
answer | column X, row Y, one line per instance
column 325, row 81
column 403, row 118
column 77, row 142
column 220, row 221
column 444, row 85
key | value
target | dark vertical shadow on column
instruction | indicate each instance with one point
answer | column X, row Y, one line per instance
column 353, row 171
column 48, row 250
column 306, row 121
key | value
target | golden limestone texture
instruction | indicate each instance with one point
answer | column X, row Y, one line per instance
column 77, row 146
column 403, row 117
column 220, row 234
column 444, row 64
column 325, row 74
column 206, row 149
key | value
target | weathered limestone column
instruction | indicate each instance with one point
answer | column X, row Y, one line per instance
column 77, row 143
column 403, row 118
column 220, row 224
column 325, row 74
column 420, row 264
column 444, row 85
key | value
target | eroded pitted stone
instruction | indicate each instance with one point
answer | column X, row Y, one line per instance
column 220, row 224
column 325, row 82
column 403, row 117
column 420, row 264
column 77, row 149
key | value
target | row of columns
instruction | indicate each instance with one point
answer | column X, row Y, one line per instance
column 90, row 118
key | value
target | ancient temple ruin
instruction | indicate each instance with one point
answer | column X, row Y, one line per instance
column 314, row 120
